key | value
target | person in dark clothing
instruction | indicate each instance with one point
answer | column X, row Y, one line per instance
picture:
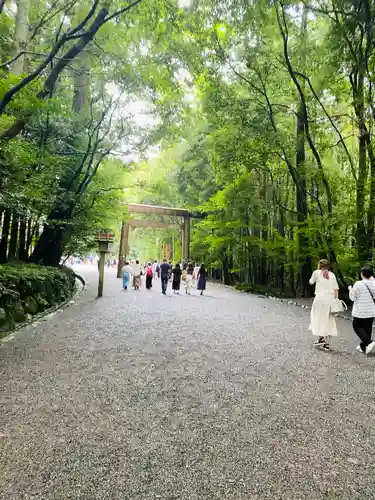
column 202, row 279
column 176, row 283
column 164, row 275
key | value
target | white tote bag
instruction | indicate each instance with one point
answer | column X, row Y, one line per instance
column 338, row 306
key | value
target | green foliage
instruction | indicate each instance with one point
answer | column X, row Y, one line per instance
column 261, row 113
column 66, row 170
column 274, row 201
column 11, row 275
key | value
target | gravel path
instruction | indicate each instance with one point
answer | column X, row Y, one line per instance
column 141, row 396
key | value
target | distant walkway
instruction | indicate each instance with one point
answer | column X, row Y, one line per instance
column 141, row 396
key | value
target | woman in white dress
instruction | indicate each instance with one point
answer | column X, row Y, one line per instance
column 323, row 322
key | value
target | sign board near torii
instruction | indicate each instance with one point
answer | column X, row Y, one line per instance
column 166, row 252
column 153, row 210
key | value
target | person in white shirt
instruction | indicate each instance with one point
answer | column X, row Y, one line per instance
column 363, row 296
column 196, row 272
column 323, row 323
column 156, row 269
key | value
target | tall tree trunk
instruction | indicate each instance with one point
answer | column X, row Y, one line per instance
column 81, row 98
column 361, row 233
column 50, row 245
column 371, row 208
column 304, row 259
column 225, row 264
column 21, row 33
column 12, row 252
column 249, row 277
column 291, row 259
column 29, row 237
column 4, row 237
column 281, row 260
column 303, row 242
column 22, row 240
column 48, row 251
column 264, row 260
column 2, row 5
column 256, row 257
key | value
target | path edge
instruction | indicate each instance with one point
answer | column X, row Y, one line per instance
column 80, row 287
column 279, row 299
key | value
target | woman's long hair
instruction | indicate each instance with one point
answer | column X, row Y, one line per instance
column 324, row 267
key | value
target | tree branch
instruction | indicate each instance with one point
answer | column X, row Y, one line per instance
column 86, row 19
column 45, row 18
column 90, row 150
column 271, row 115
column 101, row 18
column 94, row 170
column 342, row 140
column 123, row 10
column 96, row 194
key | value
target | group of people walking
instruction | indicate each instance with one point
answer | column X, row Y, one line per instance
column 132, row 272
column 188, row 274
column 323, row 320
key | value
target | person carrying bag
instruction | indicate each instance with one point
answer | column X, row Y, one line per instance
column 338, row 306
column 363, row 296
column 322, row 319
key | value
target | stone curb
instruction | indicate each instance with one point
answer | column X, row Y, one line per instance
column 80, row 287
column 295, row 303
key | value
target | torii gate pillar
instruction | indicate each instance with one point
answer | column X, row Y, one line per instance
column 124, row 247
column 186, row 239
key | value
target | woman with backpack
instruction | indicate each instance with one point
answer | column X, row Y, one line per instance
column 363, row 296
column 149, row 276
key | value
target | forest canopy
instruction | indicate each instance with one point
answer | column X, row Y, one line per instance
column 257, row 114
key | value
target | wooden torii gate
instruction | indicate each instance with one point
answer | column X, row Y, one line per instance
column 153, row 210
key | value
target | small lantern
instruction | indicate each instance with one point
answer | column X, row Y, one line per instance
column 105, row 239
